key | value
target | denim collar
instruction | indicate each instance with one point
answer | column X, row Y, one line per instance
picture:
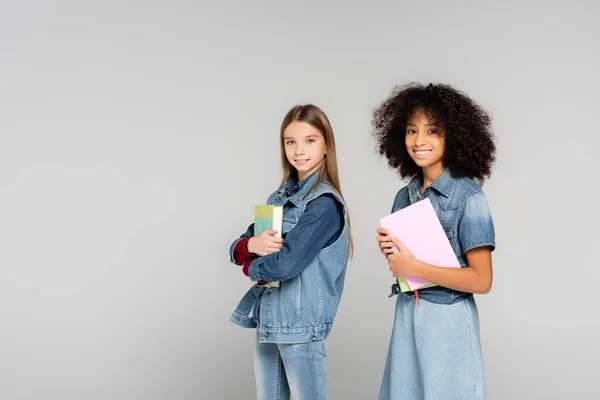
column 295, row 190
column 443, row 185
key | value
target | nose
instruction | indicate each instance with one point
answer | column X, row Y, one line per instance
column 420, row 138
column 299, row 150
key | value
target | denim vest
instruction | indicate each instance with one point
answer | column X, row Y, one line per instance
column 464, row 214
column 302, row 309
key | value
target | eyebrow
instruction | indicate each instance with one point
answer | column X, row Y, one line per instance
column 411, row 124
column 305, row 137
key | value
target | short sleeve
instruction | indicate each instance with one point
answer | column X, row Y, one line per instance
column 476, row 227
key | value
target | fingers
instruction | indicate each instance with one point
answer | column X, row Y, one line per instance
column 388, row 251
column 383, row 244
column 274, row 241
column 267, row 243
column 275, row 246
column 383, row 239
column 398, row 243
column 388, row 244
column 271, row 251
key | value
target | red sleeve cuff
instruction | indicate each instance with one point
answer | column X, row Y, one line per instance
column 240, row 253
column 245, row 269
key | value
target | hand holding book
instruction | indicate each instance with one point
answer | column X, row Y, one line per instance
column 419, row 229
column 402, row 262
column 265, row 243
column 268, row 224
column 385, row 242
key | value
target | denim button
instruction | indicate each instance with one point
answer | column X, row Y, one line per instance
column 268, row 294
column 266, row 334
column 237, row 319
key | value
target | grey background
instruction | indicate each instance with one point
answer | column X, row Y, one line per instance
column 136, row 138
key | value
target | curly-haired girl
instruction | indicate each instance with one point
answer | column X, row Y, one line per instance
column 442, row 140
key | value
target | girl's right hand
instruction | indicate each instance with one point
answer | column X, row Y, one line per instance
column 386, row 246
column 266, row 243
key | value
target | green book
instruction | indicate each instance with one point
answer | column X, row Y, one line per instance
column 405, row 288
column 268, row 217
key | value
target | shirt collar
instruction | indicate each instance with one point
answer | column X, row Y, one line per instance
column 443, row 184
column 293, row 186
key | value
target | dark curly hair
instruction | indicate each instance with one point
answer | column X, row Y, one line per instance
column 470, row 150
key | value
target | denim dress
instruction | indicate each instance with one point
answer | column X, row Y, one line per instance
column 435, row 348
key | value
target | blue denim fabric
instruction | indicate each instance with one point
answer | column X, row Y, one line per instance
column 465, row 216
column 434, row 353
column 320, row 226
column 298, row 369
column 303, row 308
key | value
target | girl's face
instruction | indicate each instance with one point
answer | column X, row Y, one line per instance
column 425, row 142
column 304, row 147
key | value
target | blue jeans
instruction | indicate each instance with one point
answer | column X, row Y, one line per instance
column 298, row 369
column 434, row 353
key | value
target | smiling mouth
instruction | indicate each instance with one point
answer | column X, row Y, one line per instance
column 421, row 153
column 301, row 161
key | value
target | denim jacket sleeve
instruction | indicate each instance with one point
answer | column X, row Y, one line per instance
column 319, row 226
column 247, row 234
column 475, row 227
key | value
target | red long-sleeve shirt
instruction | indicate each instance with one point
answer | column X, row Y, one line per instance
column 243, row 257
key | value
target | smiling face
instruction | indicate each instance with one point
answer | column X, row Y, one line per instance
column 425, row 142
column 305, row 148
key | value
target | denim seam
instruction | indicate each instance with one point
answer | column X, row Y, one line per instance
column 474, row 245
column 312, row 370
column 298, row 296
column 284, row 321
column 320, row 291
column 279, row 366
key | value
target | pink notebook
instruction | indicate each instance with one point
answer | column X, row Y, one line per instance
column 418, row 228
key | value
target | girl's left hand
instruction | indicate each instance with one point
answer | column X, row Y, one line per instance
column 403, row 262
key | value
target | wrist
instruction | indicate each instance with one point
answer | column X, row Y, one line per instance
column 416, row 268
column 249, row 245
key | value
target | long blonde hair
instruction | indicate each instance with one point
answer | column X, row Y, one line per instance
column 328, row 170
